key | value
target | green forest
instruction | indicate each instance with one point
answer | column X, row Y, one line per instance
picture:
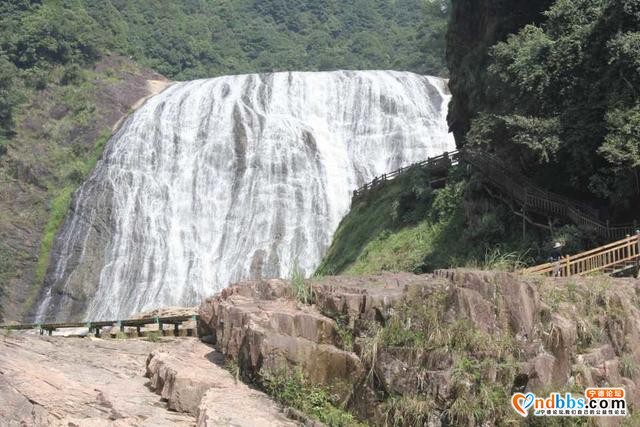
column 49, row 41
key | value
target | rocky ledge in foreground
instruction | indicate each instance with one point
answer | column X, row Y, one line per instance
column 56, row 381
column 442, row 349
column 74, row 382
column 191, row 379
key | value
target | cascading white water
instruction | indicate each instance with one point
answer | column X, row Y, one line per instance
column 219, row 180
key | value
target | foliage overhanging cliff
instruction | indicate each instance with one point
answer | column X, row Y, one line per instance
column 553, row 87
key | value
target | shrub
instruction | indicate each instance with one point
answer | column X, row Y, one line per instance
column 153, row 336
column 295, row 390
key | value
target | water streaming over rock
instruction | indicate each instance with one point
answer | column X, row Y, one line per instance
column 219, row 180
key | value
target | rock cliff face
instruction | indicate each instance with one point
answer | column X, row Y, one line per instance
column 425, row 347
column 54, row 146
column 191, row 380
column 475, row 26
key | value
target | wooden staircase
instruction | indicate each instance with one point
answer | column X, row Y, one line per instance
column 533, row 199
column 614, row 258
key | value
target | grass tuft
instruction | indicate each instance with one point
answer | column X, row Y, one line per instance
column 295, row 390
column 301, row 288
column 628, row 366
column 153, row 336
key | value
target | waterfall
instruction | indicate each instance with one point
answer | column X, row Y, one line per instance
column 219, row 180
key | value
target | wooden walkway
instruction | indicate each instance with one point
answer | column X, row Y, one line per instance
column 533, row 199
column 438, row 166
column 614, row 258
column 516, row 187
column 117, row 325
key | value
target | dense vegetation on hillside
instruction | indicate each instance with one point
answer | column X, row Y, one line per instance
column 405, row 225
column 558, row 97
column 204, row 38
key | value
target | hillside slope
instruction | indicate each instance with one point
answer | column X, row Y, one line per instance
column 58, row 136
column 405, row 225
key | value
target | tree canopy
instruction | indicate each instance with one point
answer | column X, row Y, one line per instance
column 566, row 103
column 206, row 38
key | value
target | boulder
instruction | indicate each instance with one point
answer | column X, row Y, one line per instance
column 191, row 379
column 260, row 327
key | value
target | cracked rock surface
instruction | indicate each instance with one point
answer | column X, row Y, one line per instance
column 55, row 381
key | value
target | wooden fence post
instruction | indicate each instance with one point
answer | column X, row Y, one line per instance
column 638, row 251
column 524, row 223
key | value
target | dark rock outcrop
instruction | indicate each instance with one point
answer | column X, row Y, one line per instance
column 41, row 164
column 475, row 26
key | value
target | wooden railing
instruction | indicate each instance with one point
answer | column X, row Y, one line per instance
column 518, row 188
column 120, row 325
column 444, row 162
column 613, row 258
column 532, row 198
